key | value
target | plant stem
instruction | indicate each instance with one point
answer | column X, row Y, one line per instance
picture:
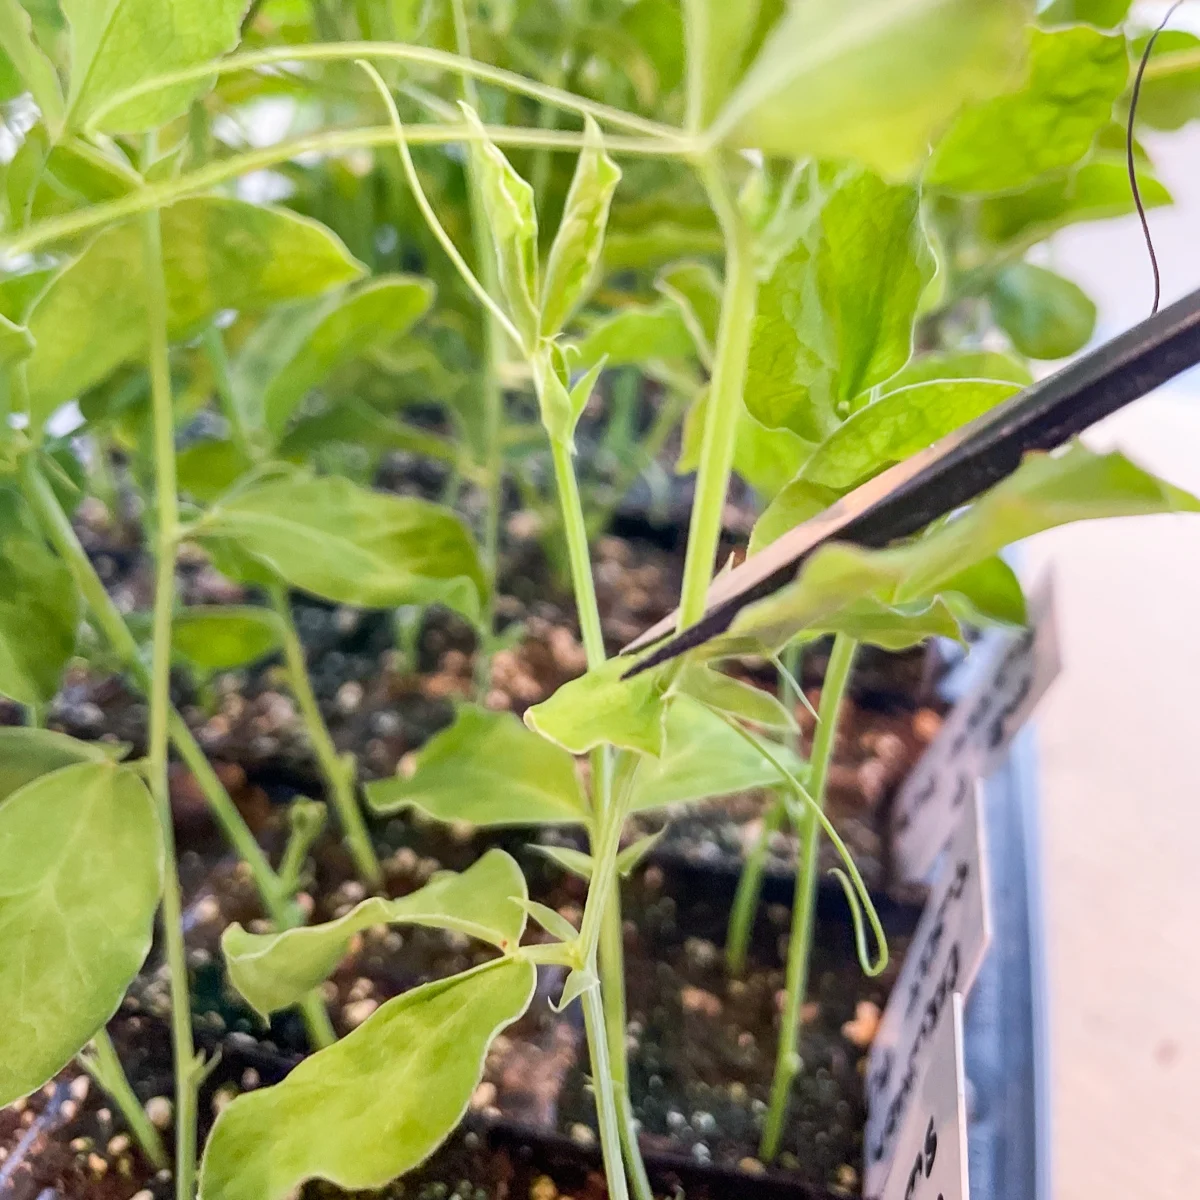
column 602, row 1081
column 214, row 348
column 167, row 533
column 105, row 1068
column 580, row 558
column 337, row 769
column 725, row 397
column 454, row 64
column 108, row 618
column 749, row 888
column 787, row 1058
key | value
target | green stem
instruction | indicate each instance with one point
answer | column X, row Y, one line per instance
column 454, row 64
column 604, row 1084
column 159, row 696
column 612, row 989
column 749, row 889
column 338, row 770
column 787, row 1059
column 105, row 1068
column 493, row 355
column 575, row 528
column 725, row 398
column 276, row 900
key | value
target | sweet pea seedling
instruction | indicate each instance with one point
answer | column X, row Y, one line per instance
column 728, row 219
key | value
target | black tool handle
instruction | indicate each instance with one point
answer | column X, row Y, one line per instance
column 958, row 468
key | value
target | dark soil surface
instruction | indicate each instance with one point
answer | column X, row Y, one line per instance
column 701, row 1045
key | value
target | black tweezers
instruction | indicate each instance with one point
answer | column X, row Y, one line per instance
column 906, row 497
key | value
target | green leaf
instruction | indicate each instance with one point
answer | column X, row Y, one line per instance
column 1044, row 492
column 16, row 343
column 1105, row 14
column 374, row 1104
column 631, row 857
column 224, row 637
column 275, row 970
column 118, row 43
column 1170, row 95
column 703, row 757
column 601, row 707
column 637, row 335
column 717, row 36
column 80, row 873
column 1096, row 191
column 26, row 754
column 35, row 69
column 577, row 982
column 204, row 470
column 892, row 627
column 580, row 237
column 960, row 364
column 1075, row 78
column 512, row 222
column 730, row 696
column 218, row 254
column 836, row 316
column 988, row 593
column 554, row 923
column 872, row 80
column 39, row 607
column 346, row 543
column 575, row 862
column 695, row 289
column 800, row 501
column 487, row 768
column 899, row 424
column 1046, row 315
column 296, row 349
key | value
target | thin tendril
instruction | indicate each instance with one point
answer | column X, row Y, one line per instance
column 852, row 883
column 792, row 682
column 1133, row 183
column 426, row 208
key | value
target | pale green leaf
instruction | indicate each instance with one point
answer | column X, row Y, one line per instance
column 16, row 343
column 34, row 68
column 577, row 982
column 346, row 543
column 836, row 316
column 1096, row 191
column 218, row 254
column 39, row 607
column 1170, row 95
column 987, row 593
column 734, row 698
column 1046, row 315
column 575, row 862
column 601, row 707
column 118, row 43
column 1105, row 14
column 637, row 335
column 554, row 923
column 80, row 874
column 1044, row 492
column 717, row 36
column 703, row 757
column 296, row 350
column 1075, row 77
column 224, row 637
column 512, row 223
column 631, row 857
column 800, row 501
column 275, row 970
column 959, row 364
column 696, row 290
column 892, row 627
column 575, row 252
column 486, row 768
column 899, row 424
column 872, row 80
column 26, row 754
column 376, row 1103
column 205, row 469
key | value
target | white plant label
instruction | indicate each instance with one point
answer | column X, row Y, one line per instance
column 974, row 737
column 947, row 949
column 931, row 1151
